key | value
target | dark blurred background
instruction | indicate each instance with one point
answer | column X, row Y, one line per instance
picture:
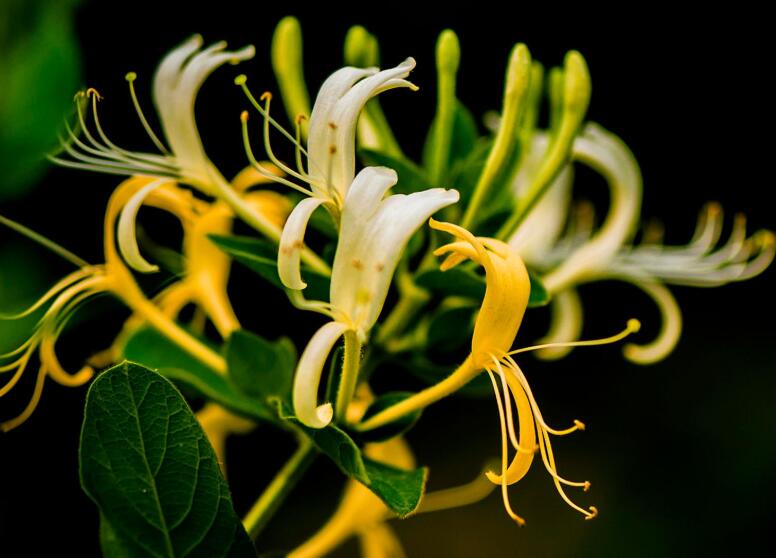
column 680, row 454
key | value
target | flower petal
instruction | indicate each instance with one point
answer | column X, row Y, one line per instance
column 308, row 376
column 127, row 235
column 176, row 84
column 373, row 234
column 292, row 242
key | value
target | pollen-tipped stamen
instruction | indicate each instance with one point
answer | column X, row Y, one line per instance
column 131, row 77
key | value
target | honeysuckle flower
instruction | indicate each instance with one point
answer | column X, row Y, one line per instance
column 176, row 84
column 583, row 255
column 70, row 293
column 373, row 234
column 499, row 319
column 330, row 152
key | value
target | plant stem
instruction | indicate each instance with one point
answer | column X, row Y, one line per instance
column 277, row 491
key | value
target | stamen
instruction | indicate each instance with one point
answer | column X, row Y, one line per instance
column 28, row 410
column 51, row 293
column 267, row 98
column 632, row 326
column 515, row 369
column 241, row 81
column 297, row 148
column 546, row 448
column 45, row 242
column 131, row 77
column 508, row 407
column 257, row 165
column 504, row 447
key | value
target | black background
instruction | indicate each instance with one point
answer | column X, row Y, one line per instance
column 680, row 454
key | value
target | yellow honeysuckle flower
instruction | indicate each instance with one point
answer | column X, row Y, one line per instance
column 373, row 234
column 502, row 311
column 584, row 255
column 111, row 277
column 330, row 152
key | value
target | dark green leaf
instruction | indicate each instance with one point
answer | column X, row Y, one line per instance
column 260, row 256
column 465, row 283
column 411, row 177
column 539, row 295
column 148, row 466
column 260, row 368
column 155, row 351
column 112, row 546
column 395, row 428
column 400, row 490
column 453, row 282
column 451, row 328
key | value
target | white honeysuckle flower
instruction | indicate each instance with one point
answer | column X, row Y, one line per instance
column 585, row 255
column 177, row 82
column 374, row 232
column 330, row 152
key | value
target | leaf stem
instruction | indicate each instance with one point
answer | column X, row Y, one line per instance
column 277, row 491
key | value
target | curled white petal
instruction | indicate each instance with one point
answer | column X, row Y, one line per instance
column 373, row 234
column 608, row 155
column 176, row 84
column 566, row 324
column 127, row 235
column 332, row 131
column 539, row 231
column 292, row 243
column 308, row 376
column 670, row 329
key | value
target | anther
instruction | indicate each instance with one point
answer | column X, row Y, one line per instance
column 593, row 513
column 266, row 96
column 586, row 487
column 579, row 424
column 244, row 116
column 300, row 118
column 92, row 91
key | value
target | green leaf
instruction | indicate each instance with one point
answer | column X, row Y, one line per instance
column 259, row 368
column 411, row 177
column 395, row 428
column 453, row 282
column 539, row 294
column 153, row 350
column 463, row 282
column 451, row 328
column 261, row 256
column 148, row 466
column 39, row 71
column 110, row 543
column 400, row 490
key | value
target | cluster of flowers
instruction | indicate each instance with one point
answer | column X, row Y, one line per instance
column 522, row 168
